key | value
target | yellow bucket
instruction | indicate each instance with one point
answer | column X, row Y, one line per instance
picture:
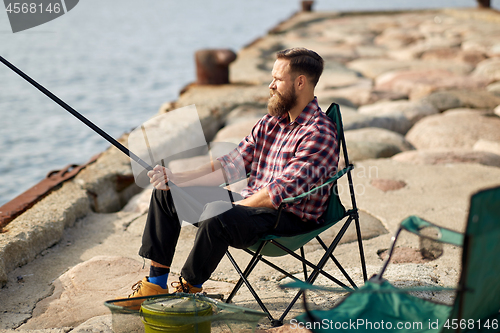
column 166, row 315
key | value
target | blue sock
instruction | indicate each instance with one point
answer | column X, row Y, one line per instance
column 159, row 276
column 197, row 285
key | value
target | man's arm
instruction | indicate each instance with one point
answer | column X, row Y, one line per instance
column 202, row 176
column 259, row 199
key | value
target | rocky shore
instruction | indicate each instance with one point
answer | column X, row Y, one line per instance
column 420, row 98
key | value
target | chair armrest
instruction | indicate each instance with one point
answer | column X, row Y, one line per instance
column 328, row 182
column 416, row 225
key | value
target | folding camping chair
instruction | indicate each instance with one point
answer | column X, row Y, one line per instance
column 477, row 303
column 274, row 246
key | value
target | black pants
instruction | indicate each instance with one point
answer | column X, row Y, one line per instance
column 239, row 227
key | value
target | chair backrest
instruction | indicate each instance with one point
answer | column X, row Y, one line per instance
column 479, row 285
column 335, row 210
column 333, row 113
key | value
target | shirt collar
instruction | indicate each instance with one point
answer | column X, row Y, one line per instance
column 304, row 116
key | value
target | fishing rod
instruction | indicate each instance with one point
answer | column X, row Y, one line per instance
column 99, row 131
column 78, row 115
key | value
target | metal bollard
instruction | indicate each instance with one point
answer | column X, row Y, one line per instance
column 307, row 5
column 484, row 3
column 212, row 66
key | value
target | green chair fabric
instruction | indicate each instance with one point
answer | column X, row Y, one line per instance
column 379, row 307
column 333, row 214
column 415, row 225
column 480, row 278
column 476, row 305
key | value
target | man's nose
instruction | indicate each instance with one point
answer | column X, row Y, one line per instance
column 272, row 85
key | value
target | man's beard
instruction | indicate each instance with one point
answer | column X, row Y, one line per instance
column 279, row 104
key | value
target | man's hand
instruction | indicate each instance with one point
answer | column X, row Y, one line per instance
column 259, row 199
column 159, row 177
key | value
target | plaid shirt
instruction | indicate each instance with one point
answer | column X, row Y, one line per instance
column 289, row 159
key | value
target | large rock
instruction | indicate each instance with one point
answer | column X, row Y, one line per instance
column 333, row 78
column 494, row 88
column 476, row 99
column 488, row 146
column 471, row 57
column 446, row 156
column 358, row 93
column 235, row 132
column 415, row 50
column 245, row 113
column 487, row 43
column 374, row 67
column 40, row 227
column 100, row 324
column 139, row 202
column 80, row 293
column 364, row 150
column 356, row 120
column 371, row 51
column 489, row 69
column 370, row 225
column 378, row 135
column 420, row 83
column 372, row 142
column 407, row 112
column 395, row 38
column 454, row 130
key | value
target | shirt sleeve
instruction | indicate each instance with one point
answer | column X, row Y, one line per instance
column 315, row 160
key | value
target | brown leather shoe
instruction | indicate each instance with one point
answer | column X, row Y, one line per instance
column 141, row 289
column 182, row 286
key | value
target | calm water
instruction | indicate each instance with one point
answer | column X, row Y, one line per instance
column 116, row 62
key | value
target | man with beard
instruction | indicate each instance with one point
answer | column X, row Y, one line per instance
column 288, row 152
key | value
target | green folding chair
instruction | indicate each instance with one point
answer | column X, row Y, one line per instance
column 274, row 246
column 380, row 306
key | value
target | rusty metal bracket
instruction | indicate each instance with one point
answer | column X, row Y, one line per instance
column 26, row 200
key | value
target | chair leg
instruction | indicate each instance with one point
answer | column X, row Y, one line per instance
column 316, row 268
column 355, row 215
column 304, row 267
column 282, row 271
column 250, row 266
column 337, row 263
column 250, row 288
column 360, row 245
column 311, row 280
column 319, row 268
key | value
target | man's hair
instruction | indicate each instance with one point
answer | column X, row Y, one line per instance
column 303, row 62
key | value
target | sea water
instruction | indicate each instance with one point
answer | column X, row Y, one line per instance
column 116, row 62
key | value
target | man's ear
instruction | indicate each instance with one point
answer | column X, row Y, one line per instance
column 301, row 82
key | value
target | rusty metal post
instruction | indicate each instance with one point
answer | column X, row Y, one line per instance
column 307, row 5
column 212, row 66
column 484, row 3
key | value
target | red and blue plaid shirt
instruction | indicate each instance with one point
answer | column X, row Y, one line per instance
column 289, row 159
